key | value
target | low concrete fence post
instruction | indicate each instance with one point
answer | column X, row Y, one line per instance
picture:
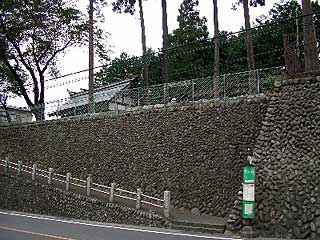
column 50, row 176
column 113, row 185
column 34, row 172
column 68, row 177
column 138, row 202
column 19, row 167
column 166, row 204
column 6, row 164
column 88, row 185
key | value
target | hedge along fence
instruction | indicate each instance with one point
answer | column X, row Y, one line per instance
column 137, row 199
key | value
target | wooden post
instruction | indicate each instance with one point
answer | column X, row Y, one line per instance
column 34, row 172
column 113, row 185
column 68, row 177
column 138, row 202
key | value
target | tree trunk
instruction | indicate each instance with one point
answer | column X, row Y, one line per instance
column 144, row 49
column 38, row 111
column 165, row 70
column 309, row 38
column 250, row 53
column 216, row 48
column 91, row 60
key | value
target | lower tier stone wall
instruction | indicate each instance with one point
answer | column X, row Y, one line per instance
column 26, row 196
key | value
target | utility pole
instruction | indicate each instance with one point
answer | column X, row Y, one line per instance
column 91, row 59
column 165, row 70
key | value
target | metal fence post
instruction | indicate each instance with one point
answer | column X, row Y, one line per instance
column 138, row 102
column 138, row 202
column 68, row 177
column 113, row 185
column 164, row 94
column 224, row 86
column 34, row 171
column 74, row 109
column 193, row 90
column 50, row 176
column 166, row 204
column 19, row 167
column 258, row 81
column 89, row 185
column 58, row 109
column 251, row 82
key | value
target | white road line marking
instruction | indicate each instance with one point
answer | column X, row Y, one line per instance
column 117, row 227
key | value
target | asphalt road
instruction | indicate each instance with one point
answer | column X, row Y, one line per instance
column 20, row 226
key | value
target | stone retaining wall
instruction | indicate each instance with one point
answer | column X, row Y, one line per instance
column 195, row 151
column 287, row 160
column 26, row 196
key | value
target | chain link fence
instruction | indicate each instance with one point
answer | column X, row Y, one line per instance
column 226, row 86
column 120, row 97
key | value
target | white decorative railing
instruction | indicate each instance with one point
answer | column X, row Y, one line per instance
column 111, row 192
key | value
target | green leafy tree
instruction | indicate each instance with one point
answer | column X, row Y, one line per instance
column 126, row 66
column 192, row 27
column 268, row 37
column 282, row 19
column 233, row 52
column 119, row 68
column 32, row 35
column 189, row 53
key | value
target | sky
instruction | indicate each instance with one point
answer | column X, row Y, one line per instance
column 125, row 31
column 125, row 36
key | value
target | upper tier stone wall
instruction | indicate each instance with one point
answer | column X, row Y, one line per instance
column 195, row 151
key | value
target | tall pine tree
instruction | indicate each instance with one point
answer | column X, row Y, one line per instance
column 192, row 27
column 188, row 55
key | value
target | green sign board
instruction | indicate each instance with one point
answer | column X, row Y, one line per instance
column 247, row 209
column 248, row 174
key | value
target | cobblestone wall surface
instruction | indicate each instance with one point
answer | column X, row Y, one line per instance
column 287, row 159
column 195, row 151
